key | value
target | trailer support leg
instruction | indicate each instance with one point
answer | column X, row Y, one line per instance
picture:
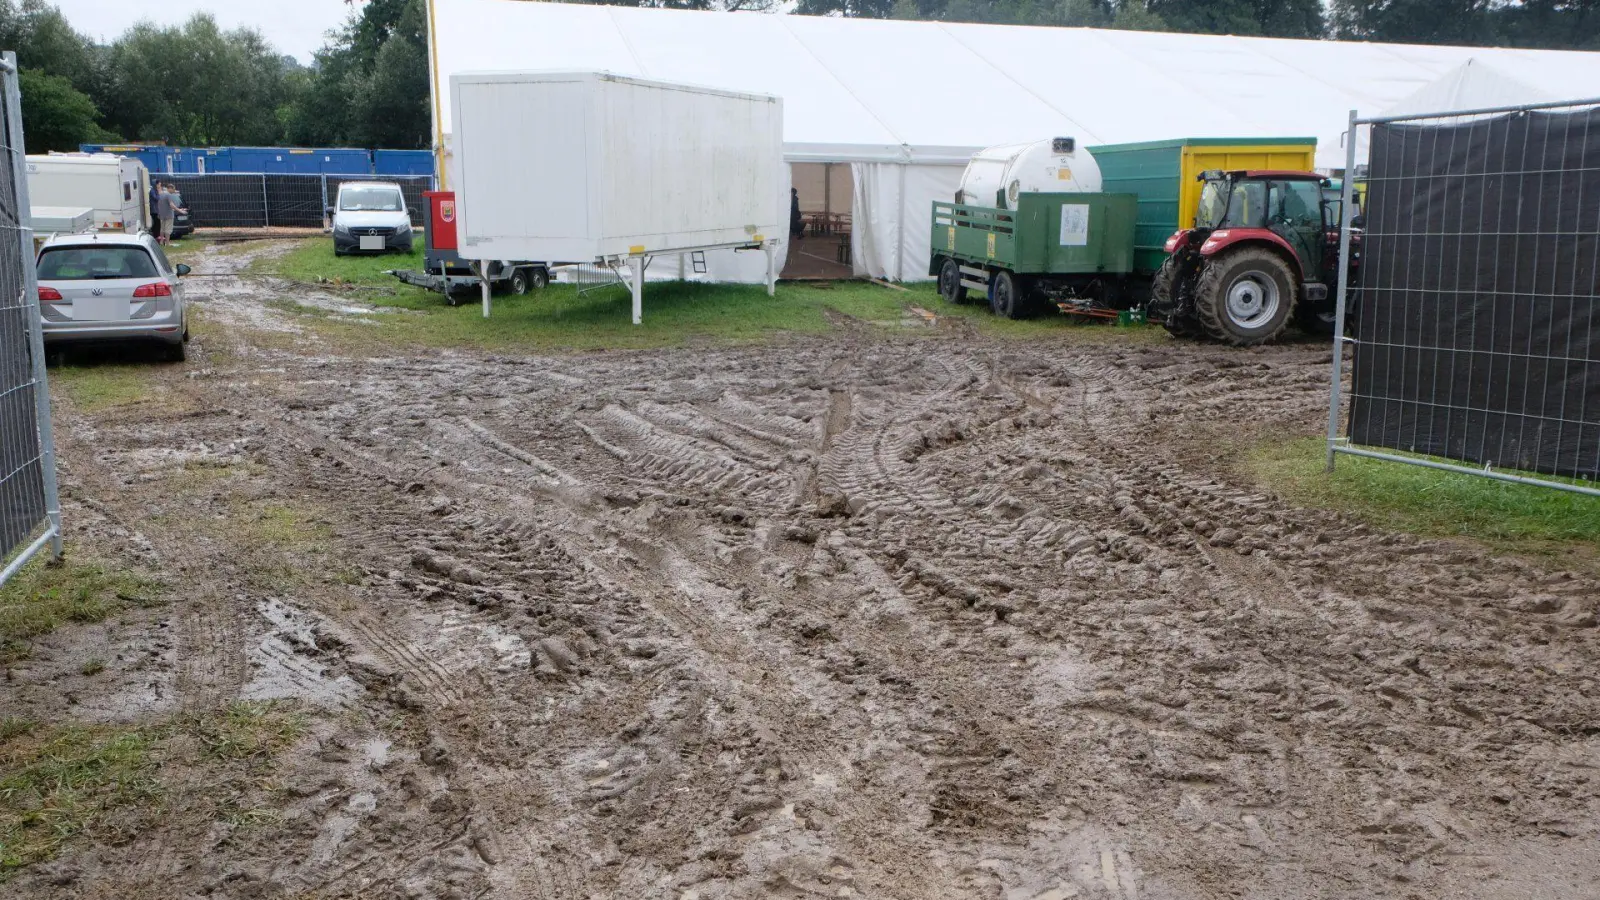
column 636, row 266
column 772, row 269
column 483, row 279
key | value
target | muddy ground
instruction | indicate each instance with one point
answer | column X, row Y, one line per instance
column 865, row 616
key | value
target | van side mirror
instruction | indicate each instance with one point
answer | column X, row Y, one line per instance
column 412, row 212
column 182, row 270
column 1358, row 221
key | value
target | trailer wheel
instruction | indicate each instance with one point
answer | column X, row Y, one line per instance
column 519, row 283
column 1006, row 298
column 1246, row 298
column 950, row 282
column 540, row 277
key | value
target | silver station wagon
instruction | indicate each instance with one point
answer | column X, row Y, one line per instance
column 112, row 287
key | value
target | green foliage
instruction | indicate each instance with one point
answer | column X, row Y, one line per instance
column 370, row 87
column 391, row 101
column 196, row 84
column 45, row 42
column 1276, row 18
column 56, row 115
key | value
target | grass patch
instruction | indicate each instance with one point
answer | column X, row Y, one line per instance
column 312, row 261
column 43, row 597
column 284, row 526
column 1513, row 517
column 250, row 730
column 59, row 782
column 186, row 250
column 675, row 313
column 95, row 388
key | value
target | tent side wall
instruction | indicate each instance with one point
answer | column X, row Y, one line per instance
column 893, row 217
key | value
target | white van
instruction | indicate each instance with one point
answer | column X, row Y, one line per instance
column 115, row 187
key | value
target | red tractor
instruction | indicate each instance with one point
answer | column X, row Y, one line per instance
column 1263, row 252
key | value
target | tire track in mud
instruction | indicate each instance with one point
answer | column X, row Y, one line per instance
column 694, row 578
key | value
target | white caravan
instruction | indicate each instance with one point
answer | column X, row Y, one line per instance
column 114, row 187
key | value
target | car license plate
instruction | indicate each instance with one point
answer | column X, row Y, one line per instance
column 371, row 242
column 100, row 309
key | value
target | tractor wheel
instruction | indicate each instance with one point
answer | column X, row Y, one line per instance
column 1164, row 301
column 1246, row 298
column 518, row 284
column 950, row 282
column 1007, row 297
column 1315, row 321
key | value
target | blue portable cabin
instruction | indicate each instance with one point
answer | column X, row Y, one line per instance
column 402, row 162
column 299, row 161
column 157, row 160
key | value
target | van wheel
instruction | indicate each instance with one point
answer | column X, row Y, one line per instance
column 177, row 352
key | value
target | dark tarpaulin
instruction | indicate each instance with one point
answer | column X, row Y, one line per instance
column 1478, row 334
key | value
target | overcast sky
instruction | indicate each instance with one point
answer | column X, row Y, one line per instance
column 295, row 27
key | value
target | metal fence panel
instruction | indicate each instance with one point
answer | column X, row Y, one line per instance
column 1474, row 313
column 234, row 200
column 30, row 512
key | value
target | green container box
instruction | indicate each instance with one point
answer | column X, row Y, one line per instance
column 1047, row 234
column 1165, row 176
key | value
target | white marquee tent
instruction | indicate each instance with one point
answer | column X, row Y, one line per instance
column 905, row 103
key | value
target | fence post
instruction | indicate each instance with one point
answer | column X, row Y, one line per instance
column 266, row 208
column 1347, row 212
column 324, row 209
column 41, row 384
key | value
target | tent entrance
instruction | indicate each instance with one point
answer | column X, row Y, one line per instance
column 819, row 238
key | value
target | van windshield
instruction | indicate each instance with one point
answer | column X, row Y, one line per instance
column 91, row 263
column 370, row 200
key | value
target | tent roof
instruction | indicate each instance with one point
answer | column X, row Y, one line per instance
column 861, row 89
column 1472, row 85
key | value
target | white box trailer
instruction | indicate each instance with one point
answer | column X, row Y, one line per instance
column 590, row 167
column 52, row 220
column 113, row 186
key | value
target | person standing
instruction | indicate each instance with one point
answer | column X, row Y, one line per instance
column 168, row 210
column 155, row 203
column 797, row 221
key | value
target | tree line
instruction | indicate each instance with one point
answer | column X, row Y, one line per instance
column 197, row 84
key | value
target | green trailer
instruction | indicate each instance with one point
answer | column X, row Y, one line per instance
column 1066, row 249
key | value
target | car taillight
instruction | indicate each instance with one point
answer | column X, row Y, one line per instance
column 49, row 293
column 154, row 289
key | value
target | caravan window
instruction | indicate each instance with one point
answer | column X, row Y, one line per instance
column 127, row 192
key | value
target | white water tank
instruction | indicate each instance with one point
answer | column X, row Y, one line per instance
column 996, row 175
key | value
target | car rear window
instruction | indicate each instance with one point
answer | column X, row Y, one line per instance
column 89, row 263
column 370, row 200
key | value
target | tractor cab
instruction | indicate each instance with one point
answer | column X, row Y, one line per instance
column 1290, row 206
column 1262, row 253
